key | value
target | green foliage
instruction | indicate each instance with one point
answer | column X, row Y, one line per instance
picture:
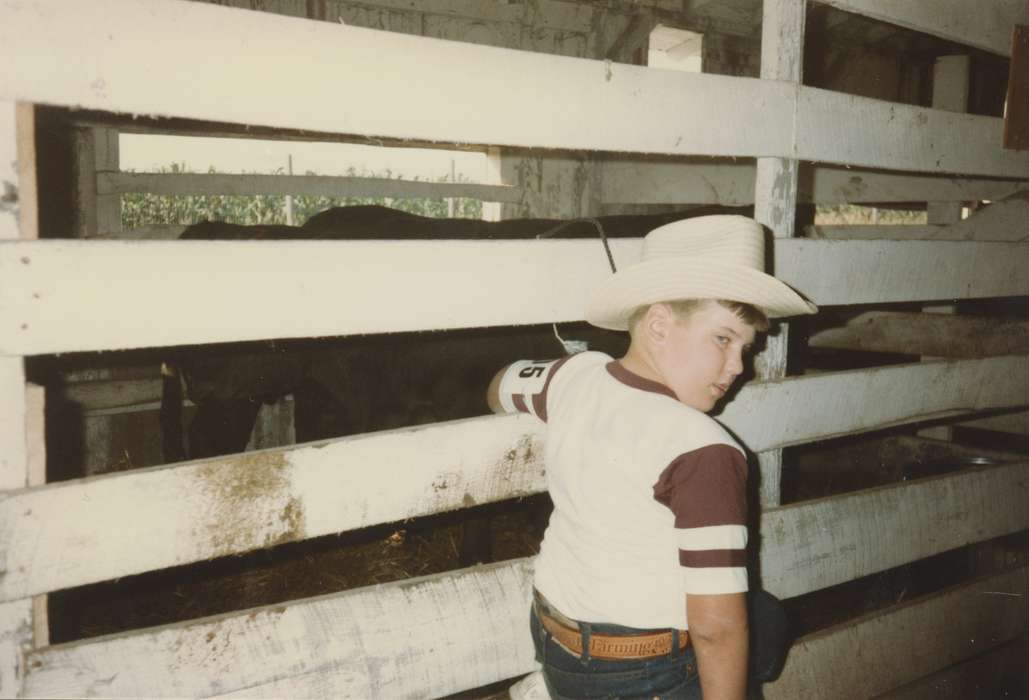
column 140, row 209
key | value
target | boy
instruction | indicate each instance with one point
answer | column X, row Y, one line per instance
column 641, row 576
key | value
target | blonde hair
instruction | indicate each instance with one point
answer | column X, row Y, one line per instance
column 749, row 314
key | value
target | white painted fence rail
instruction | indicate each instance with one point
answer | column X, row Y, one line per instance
column 63, row 296
column 228, row 505
column 884, row 650
column 814, row 545
column 445, row 91
column 310, row 185
column 418, row 638
column 629, row 181
column 987, row 27
column 409, row 639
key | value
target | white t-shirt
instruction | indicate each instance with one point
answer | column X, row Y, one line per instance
column 649, row 494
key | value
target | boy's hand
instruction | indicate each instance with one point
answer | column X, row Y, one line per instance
column 493, row 391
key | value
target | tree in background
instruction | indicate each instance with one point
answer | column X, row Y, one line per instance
column 139, row 209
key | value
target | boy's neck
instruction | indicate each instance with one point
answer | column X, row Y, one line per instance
column 637, row 361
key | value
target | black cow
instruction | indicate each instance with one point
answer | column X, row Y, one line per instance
column 361, row 384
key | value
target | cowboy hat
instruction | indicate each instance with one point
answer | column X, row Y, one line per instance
column 706, row 257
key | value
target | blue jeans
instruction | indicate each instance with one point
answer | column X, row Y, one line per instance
column 568, row 675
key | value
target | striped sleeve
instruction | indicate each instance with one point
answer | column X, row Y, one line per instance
column 524, row 386
column 706, row 490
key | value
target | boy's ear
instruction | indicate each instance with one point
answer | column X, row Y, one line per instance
column 656, row 322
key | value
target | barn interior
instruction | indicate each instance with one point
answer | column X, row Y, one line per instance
column 116, row 411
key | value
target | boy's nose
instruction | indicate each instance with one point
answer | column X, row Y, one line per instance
column 735, row 365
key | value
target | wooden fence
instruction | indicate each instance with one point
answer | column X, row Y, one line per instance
column 408, row 639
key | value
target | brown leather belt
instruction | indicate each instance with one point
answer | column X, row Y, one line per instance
column 610, row 646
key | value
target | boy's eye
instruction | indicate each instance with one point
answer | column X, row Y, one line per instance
column 721, row 340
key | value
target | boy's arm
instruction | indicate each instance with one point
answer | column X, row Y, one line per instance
column 493, row 391
column 522, row 387
column 719, row 634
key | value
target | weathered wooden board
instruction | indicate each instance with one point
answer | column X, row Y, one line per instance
column 1006, row 220
column 1016, row 423
column 986, row 676
column 988, row 27
column 591, row 105
column 18, row 219
column 1016, row 106
column 775, row 195
column 102, row 394
column 115, row 291
column 216, row 507
column 797, row 410
column 383, row 83
column 889, row 232
column 310, row 185
column 821, row 543
column 199, row 510
column 927, row 334
column 886, row 650
column 639, row 181
column 63, row 296
column 835, row 127
column 408, row 639
column 873, row 272
column 154, row 232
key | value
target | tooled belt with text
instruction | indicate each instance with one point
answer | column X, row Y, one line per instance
column 610, row 646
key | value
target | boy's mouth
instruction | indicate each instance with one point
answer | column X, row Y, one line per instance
column 722, row 388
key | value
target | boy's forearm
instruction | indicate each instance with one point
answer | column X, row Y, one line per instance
column 720, row 636
column 722, row 663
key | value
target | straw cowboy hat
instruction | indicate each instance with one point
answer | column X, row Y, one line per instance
column 706, row 257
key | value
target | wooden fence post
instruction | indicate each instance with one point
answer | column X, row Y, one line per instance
column 950, row 92
column 775, row 194
column 18, row 219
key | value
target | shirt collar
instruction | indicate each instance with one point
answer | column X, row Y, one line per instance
column 625, row 376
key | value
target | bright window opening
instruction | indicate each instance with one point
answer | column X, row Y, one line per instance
column 677, row 49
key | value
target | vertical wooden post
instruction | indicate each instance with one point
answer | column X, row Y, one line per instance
column 775, row 193
column 96, row 150
column 18, row 219
column 950, row 92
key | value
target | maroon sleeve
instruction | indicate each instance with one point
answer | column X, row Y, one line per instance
column 705, row 487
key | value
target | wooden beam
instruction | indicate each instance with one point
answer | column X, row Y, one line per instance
column 19, row 448
column 835, row 127
column 927, row 334
column 988, row 29
column 1000, row 221
column 591, row 105
column 64, row 296
column 335, row 644
column 775, row 194
column 1015, row 423
column 454, row 84
column 873, row 272
column 35, row 441
column 408, row 639
column 640, row 181
column 153, row 232
column 888, row 232
column 102, row 394
column 310, row 185
column 814, row 545
column 907, row 642
column 229, row 505
column 989, row 675
column 1016, row 106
